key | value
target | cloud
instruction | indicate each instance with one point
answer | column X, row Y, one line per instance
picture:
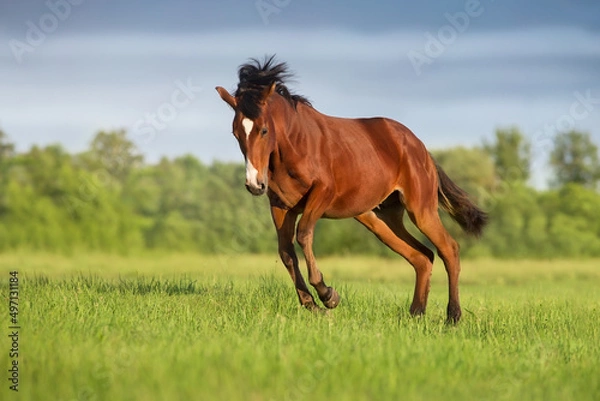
column 74, row 85
column 327, row 44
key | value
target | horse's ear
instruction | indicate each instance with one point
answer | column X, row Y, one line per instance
column 268, row 92
column 227, row 98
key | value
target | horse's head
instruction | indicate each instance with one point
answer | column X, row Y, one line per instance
column 254, row 131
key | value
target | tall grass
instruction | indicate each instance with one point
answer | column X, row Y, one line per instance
column 229, row 328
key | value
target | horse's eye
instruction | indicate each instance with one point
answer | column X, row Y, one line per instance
column 264, row 131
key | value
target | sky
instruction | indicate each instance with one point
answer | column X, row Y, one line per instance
column 452, row 71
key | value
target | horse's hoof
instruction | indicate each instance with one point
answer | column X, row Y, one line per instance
column 454, row 314
column 417, row 310
column 332, row 300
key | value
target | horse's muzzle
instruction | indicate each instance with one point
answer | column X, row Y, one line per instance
column 257, row 190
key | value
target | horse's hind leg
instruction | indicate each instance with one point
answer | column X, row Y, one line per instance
column 393, row 219
column 428, row 221
column 384, row 225
column 285, row 223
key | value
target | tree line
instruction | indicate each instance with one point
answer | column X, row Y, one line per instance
column 108, row 199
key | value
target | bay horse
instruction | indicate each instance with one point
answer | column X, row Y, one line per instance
column 371, row 169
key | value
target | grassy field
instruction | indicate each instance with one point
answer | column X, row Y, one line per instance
column 187, row 327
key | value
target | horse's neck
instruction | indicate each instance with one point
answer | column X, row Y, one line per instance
column 287, row 150
column 290, row 164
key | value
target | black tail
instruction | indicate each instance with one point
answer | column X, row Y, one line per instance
column 456, row 202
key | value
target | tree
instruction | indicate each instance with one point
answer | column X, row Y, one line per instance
column 511, row 154
column 7, row 149
column 7, row 152
column 114, row 153
column 575, row 160
column 471, row 168
column 49, row 170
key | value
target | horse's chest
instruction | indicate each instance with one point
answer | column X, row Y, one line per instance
column 289, row 189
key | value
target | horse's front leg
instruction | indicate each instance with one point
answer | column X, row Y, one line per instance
column 285, row 223
column 305, row 234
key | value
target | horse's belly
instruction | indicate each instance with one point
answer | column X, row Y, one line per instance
column 359, row 199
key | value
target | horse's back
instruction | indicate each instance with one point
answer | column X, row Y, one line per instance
column 377, row 145
column 369, row 158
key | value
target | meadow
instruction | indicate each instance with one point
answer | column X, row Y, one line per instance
column 192, row 327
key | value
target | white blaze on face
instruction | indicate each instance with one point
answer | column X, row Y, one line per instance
column 248, row 124
column 251, row 171
column 251, row 174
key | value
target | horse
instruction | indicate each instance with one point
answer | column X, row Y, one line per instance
column 371, row 169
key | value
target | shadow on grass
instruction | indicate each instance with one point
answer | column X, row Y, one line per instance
column 133, row 286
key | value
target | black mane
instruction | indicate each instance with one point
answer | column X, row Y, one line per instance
column 255, row 77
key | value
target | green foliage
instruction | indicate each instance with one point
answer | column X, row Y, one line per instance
column 113, row 153
column 511, row 154
column 471, row 168
column 106, row 199
column 575, row 160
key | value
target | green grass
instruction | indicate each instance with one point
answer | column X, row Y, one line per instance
column 185, row 327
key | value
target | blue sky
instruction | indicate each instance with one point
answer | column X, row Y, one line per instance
column 452, row 71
